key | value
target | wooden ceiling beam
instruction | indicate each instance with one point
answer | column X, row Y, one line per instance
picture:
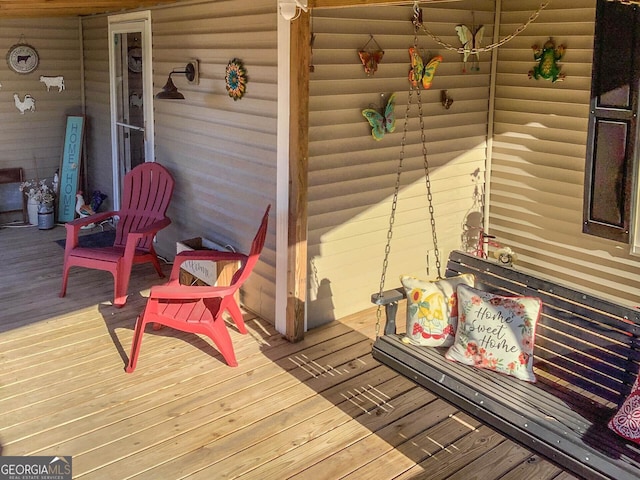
column 359, row 3
column 62, row 8
column 70, row 8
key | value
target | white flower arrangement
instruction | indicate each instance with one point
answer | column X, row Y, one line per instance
column 38, row 190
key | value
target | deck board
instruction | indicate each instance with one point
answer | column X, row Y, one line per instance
column 321, row 408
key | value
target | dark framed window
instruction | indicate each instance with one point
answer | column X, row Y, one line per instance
column 612, row 148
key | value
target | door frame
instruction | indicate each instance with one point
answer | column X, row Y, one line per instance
column 131, row 23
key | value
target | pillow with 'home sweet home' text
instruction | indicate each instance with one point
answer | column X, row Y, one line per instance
column 496, row 332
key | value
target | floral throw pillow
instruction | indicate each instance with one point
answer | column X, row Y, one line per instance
column 496, row 332
column 626, row 421
column 432, row 311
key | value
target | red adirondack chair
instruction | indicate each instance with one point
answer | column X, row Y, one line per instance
column 199, row 309
column 145, row 198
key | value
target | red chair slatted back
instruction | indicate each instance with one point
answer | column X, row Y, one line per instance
column 256, row 249
column 146, row 195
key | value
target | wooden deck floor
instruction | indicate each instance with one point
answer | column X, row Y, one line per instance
column 318, row 409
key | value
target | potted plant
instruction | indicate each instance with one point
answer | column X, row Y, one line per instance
column 40, row 197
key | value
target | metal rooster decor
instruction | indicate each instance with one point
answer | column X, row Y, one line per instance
column 83, row 210
column 27, row 104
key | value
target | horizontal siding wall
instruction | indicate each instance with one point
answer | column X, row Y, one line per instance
column 352, row 176
column 539, row 153
column 222, row 153
column 95, row 38
column 34, row 141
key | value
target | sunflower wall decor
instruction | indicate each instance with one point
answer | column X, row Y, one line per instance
column 236, row 79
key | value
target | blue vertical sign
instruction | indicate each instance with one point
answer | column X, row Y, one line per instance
column 70, row 168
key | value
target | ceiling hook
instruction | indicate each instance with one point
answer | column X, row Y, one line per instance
column 417, row 14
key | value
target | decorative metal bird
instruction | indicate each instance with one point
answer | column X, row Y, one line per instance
column 83, row 210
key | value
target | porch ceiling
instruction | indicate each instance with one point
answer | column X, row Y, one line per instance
column 357, row 3
column 73, row 8
column 70, row 8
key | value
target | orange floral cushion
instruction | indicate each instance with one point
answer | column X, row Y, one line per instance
column 432, row 312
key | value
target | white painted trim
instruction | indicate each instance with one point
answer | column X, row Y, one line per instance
column 634, row 220
column 634, row 237
column 128, row 23
column 491, row 117
column 282, row 175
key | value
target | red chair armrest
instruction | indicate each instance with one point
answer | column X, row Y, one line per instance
column 134, row 236
column 173, row 291
column 73, row 227
column 96, row 218
column 153, row 228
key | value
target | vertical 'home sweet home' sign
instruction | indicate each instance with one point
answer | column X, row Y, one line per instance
column 69, row 169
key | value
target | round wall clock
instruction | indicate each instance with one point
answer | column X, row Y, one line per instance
column 134, row 59
column 22, row 58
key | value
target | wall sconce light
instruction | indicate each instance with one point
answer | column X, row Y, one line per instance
column 289, row 8
column 170, row 91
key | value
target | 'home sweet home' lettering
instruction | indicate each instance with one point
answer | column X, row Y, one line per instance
column 494, row 325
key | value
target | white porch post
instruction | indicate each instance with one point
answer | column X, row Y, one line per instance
column 282, row 181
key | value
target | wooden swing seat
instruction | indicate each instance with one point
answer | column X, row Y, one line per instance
column 586, row 360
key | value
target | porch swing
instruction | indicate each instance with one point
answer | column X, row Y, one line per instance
column 586, row 356
column 390, row 298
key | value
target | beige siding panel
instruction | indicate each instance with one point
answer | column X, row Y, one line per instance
column 222, row 153
column 34, row 141
column 539, row 150
column 352, row 177
column 96, row 77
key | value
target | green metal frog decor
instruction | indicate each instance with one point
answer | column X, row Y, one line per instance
column 547, row 58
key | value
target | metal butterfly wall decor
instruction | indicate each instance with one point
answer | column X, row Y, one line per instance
column 445, row 99
column 384, row 122
column 370, row 58
column 421, row 74
column 470, row 43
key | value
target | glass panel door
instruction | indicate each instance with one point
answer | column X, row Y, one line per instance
column 129, row 101
column 131, row 94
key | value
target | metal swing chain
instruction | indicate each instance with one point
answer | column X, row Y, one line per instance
column 488, row 48
column 392, row 217
column 394, row 202
column 427, row 180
